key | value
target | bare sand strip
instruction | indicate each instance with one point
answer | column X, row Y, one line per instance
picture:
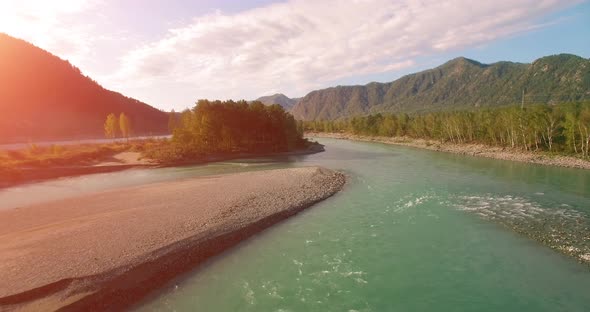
column 478, row 150
column 107, row 251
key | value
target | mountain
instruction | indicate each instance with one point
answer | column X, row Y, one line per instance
column 281, row 99
column 458, row 84
column 43, row 97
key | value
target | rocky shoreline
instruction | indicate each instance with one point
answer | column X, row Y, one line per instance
column 478, row 150
column 107, row 251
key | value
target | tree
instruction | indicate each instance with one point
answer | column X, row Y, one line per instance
column 124, row 125
column 570, row 127
column 388, row 126
column 560, row 128
column 172, row 121
column 584, row 128
column 110, row 126
column 551, row 120
column 229, row 126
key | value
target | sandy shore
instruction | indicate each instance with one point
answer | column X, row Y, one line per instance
column 479, row 150
column 108, row 250
column 126, row 158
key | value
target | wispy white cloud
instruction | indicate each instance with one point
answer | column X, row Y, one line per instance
column 299, row 45
column 291, row 47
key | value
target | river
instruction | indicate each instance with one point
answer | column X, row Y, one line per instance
column 413, row 230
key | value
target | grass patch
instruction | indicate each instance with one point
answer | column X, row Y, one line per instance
column 55, row 155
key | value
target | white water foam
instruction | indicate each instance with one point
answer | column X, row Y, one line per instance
column 494, row 207
column 248, row 293
column 562, row 228
column 410, row 201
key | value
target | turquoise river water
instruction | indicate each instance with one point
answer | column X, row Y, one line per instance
column 412, row 230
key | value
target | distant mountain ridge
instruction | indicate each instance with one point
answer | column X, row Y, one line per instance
column 43, row 97
column 459, row 83
column 279, row 98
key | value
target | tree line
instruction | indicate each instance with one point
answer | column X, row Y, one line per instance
column 563, row 128
column 229, row 126
column 115, row 127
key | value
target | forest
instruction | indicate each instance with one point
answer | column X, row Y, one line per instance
column 563, row 128
column 43, row 97
column 230, row 127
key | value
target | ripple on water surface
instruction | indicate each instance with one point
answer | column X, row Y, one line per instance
column 561, row 227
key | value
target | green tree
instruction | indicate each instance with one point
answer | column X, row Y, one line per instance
column 551, row 119
column 124, row 125
column 388, row 126
column 212, row 127
column 172, row 121
column 110, row 126
column 584, row 128
column 570, row 125
column 559, row 128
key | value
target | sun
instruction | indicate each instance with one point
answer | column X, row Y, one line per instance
column 33, row 20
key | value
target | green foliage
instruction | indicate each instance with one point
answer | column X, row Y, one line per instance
column 43, row 97
column 124, row 125
column 111, row 126
column 33, row 149
column 173, row 121
column 561, row 128
column 458, row 84
column 55, row 155
column 56, row 149
column 228, row 127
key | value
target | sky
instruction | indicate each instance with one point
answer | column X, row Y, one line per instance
column 171, row 53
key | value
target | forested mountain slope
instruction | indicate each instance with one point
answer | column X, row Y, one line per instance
column 457, row 84
column 279, row 98
column 43, row 97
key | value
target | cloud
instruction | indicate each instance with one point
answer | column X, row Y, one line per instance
column 299, row 45
column 290, row 47
column 48, row 24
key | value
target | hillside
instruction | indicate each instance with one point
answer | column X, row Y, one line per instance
column 43, row 97
column 281, row 99
column 459, row 83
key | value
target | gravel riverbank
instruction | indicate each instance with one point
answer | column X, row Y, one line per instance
column 107, row 251
column 479, row 150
